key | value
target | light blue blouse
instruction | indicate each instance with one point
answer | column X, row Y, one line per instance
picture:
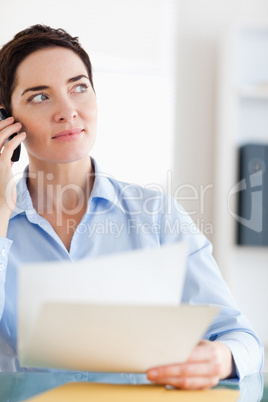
column 120, row 217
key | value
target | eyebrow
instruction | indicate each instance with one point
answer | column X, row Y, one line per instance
column 42, row 87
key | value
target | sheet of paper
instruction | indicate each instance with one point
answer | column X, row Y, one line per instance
column 115, row 338
column 115, row 313
column 84, row 392
column 140, row 277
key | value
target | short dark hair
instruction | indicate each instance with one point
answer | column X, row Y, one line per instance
column 24, row 43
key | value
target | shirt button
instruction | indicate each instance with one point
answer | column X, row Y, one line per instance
column 4, row 252
column 2, row 267
column 78, row 376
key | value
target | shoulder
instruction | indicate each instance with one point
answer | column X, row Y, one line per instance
column 139, row 198
column 151, row 205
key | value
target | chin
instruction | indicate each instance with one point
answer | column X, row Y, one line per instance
column 74, row 154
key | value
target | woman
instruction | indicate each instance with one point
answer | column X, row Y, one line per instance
column 46, row 85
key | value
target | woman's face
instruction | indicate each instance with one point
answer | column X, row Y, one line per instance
column 56, row 105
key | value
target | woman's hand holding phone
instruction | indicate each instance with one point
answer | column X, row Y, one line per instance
column 8, row 192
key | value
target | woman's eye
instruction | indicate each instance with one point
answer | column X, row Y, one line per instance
column 80, row 88
column 39, row 98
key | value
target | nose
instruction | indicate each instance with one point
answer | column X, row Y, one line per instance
column 65, row 111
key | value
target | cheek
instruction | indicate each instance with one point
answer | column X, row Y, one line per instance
column 33, row 133
column 88, row 109
column 30, row 126
column 91, row 115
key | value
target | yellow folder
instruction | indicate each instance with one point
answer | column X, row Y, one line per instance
column 84, row 392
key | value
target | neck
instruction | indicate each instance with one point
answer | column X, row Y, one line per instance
column 60, row 186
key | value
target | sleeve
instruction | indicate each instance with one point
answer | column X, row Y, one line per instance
column 205, row 285
column 5, row 245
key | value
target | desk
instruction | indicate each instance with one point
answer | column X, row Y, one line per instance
column 15, row 387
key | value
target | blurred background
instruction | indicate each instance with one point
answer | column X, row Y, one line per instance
column 181, row 85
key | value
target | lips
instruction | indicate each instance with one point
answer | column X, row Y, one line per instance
column 68, row 135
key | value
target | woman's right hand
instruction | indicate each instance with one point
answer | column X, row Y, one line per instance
column 8, row 193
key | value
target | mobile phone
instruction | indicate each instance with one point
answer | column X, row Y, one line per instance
column 16, row 153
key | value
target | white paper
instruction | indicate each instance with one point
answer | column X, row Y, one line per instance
column 69, row 310
column 115, row 338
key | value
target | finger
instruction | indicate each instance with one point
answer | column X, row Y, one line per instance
column 6, row 122
column 185, row 370
column 8, row 131
column 193, row 383
column 12, row 145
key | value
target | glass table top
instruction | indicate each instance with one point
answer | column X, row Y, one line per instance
column 15, row 387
